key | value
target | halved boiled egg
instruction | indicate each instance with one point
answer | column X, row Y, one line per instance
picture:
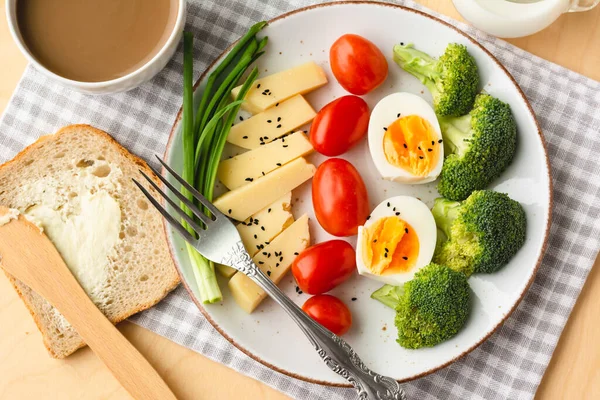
column 396, row 241
column 405, row 139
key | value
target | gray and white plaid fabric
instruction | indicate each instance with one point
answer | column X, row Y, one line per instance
column 510, row 364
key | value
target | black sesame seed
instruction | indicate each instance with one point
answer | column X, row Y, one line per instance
column 433, row 142
column 258, row 86
column 384, row 128
column 397, row 213
column 249, row 179
column 262, row 228
column 276, row 104
column 244, row 137
column 276, row 265
column 269, row 255
column 262, row 172
column 285, row 145
column 279, row 126
column 278, row 119
column 374, row 240
column 264, row 253
column 401, row 43
column 296, row 253
column 368, row 217
column 388, row 204
column 229, row 211
column 354, row 299
column 440, row 141
column 261, row 262
column 241, row 118
column 385, row 255
column 419, row 147
column 420, row 157
column 278, row 164
column 405, row 258
column 255, row 236
column 267, row 242
column 280, row 259
column 386, row 249
column 262, row 143
column 305, row 131
column 269, row 121
column 269, row 273
column 266, row 138
column 269, row 210
column 405, row 146
column 394, row 209
column 429, row 149
column 405, row 230
column 398, row 116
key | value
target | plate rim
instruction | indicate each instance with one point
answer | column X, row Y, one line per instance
column 542, row 251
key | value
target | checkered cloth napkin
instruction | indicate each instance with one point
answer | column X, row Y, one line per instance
column 510, row 364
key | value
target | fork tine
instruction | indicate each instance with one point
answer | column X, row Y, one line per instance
column 175, row 206
column 197, row 212
column 193, row 191
column 174, row 223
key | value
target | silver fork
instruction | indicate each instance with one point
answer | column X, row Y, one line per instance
column 219, row 241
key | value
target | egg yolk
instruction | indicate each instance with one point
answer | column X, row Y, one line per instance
column 411, row 143
column 390, row 246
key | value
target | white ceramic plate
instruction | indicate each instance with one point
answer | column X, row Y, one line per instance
column 268, row 335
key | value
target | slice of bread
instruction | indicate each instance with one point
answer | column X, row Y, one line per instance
column 56, row 171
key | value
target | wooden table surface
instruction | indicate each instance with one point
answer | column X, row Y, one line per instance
column 27, row 372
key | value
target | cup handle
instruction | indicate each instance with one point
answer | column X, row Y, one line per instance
column 582, row 5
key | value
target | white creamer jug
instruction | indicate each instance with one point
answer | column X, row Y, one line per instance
column 516, row 18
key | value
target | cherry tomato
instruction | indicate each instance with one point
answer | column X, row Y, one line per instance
column 340, row 125
column 339, row 197
column 323, row 266
column 330, row 312
column 357, row 64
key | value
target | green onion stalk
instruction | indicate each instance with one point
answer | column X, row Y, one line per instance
column 205, row 133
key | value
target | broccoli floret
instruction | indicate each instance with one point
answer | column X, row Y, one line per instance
column 478, row 147
column 484, row 232
column 453, row 80
column 430, row 308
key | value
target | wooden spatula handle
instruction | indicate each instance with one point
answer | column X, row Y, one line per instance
column 30, row 257
column 125, row 362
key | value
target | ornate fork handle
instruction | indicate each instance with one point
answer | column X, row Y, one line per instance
column 333, row 350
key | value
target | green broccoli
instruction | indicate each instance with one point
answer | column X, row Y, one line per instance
column 453, row 80
column 478, row 147
column 484, row 232
column 430, row 308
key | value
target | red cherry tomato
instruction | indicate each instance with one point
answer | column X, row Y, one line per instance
column 323, row 266
column 339, row 125
column 339, row 197
column 330, row 312
column 358, row 65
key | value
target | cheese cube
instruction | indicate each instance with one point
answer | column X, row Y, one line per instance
column 278, row 87
column 272, row 123
column 242, row 202
column 275, row 260
column 258, row 230
column 244, row 168
column 266, row 224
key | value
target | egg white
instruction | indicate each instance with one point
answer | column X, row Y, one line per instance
column 417, row 215
column 382, row 116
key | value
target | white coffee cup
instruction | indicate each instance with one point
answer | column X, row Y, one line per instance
column 122, row 84
column 517, row 18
